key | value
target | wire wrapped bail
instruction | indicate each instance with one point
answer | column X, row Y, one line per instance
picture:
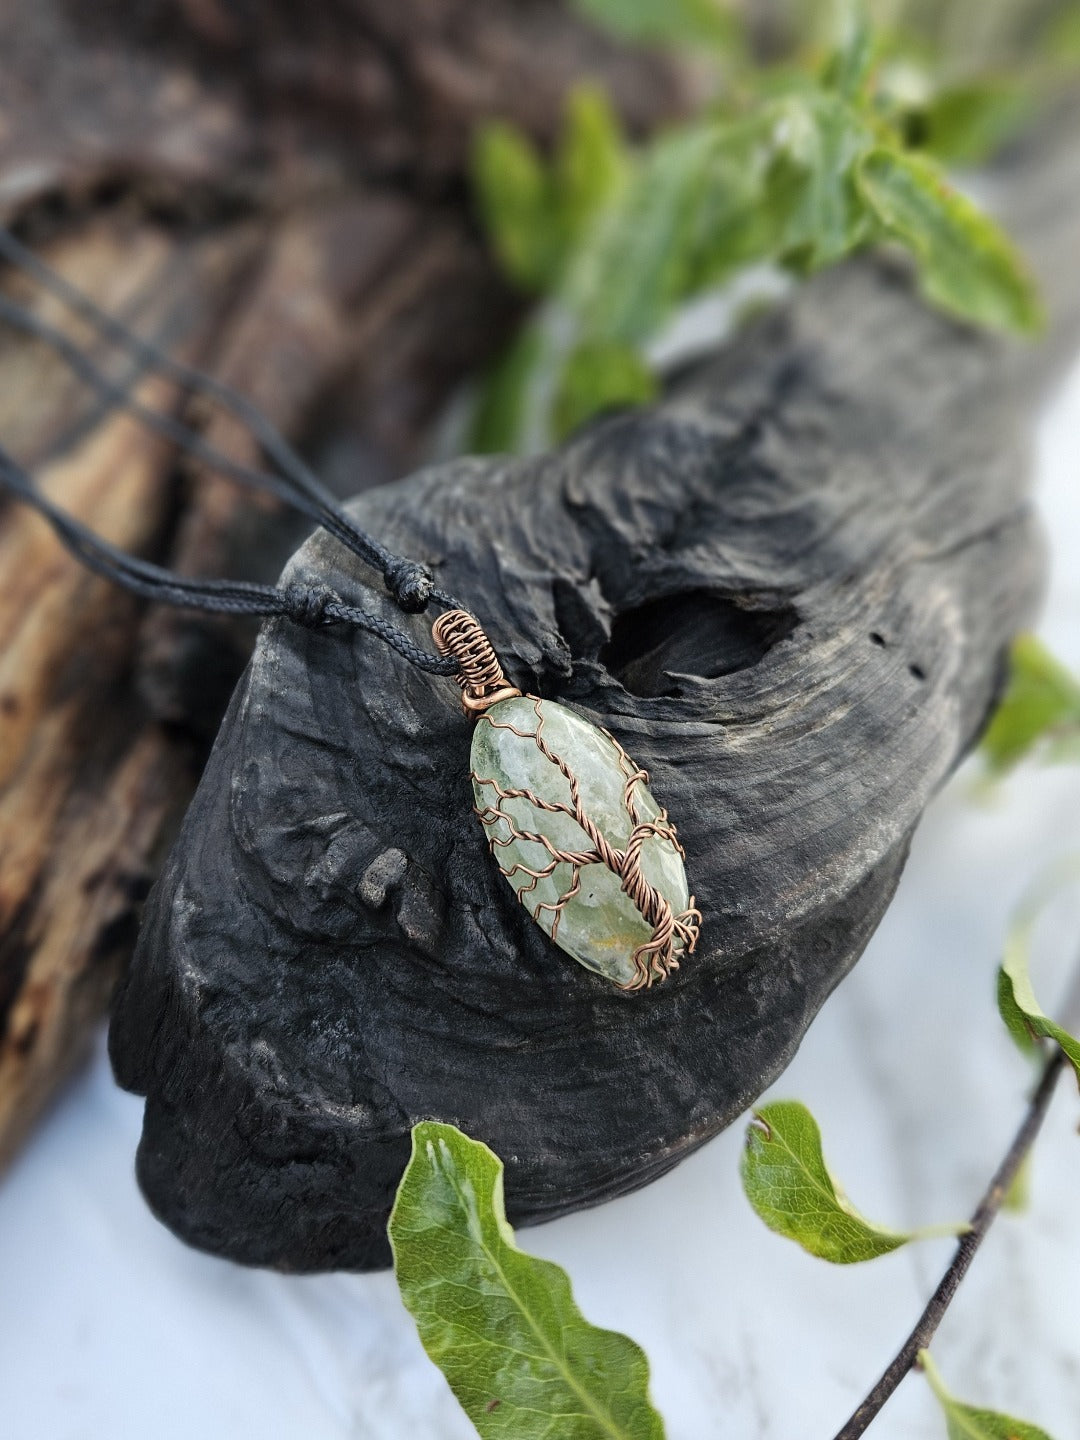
column 458, row 634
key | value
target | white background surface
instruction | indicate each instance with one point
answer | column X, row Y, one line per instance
column 111, row 1328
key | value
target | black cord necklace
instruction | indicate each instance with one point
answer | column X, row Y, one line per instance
column 568, row 815
column 410, row 584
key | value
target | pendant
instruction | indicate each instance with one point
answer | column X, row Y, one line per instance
column 572, row 824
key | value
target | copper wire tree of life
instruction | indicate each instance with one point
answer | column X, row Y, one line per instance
column 672, row 934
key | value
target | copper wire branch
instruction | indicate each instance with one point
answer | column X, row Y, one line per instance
column 672, row 934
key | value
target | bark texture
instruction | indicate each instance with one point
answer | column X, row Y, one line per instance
column 787, row 591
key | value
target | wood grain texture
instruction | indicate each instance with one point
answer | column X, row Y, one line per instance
column 787, row 590
column 88, row 781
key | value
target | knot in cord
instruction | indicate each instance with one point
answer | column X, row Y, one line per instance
column 410, row 583
column 307, row 605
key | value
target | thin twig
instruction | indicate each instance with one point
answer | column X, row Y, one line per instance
column 981, row 1221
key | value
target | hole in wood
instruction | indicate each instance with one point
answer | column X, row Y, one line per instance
column 695, row 633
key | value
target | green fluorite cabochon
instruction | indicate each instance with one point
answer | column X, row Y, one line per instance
column 549, row 784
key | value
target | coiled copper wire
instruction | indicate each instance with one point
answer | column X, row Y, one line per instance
column 481, row 677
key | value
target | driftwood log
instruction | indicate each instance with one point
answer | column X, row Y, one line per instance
column 788, row 590
column 283, row 204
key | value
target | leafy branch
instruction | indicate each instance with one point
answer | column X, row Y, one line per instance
column 524, row 1362
column 907, row 1357
column 789, row 1185
column 796, row 168
column 971, row 1422
column 808, row 1207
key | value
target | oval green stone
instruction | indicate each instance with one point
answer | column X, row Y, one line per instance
column 599, row 925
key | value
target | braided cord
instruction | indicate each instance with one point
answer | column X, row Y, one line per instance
column 410, row 584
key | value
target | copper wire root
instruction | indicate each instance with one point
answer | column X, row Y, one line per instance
column 672, row 934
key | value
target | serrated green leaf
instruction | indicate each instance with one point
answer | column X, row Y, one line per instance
column 971, row 1422
column 501, row 1325
column 787, row 1182
column 967, row 265
column 675, row 23
column 600, row 376
column 1020, row 1010
column 1041, row 703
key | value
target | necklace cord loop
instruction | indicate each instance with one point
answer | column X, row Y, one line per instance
column 410, row 584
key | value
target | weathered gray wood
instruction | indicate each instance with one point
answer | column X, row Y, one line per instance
column 787, row 591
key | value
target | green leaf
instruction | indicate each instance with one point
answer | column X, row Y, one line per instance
column 1061, row 41
column 502, row 1326
column 967, row 124
column 1041, row 703
column 810, row 201
column 1018, row 1196
column 498, row 419
column 699, row 204
column 514, row 197
column 535, row 213
column 620, row 282
column 787, row 1182
column 674, row 23
column 967, row 265
column 600, row 376
column 592, row 162
column 775, row 186
column 847, row 70
column 1026, row 1020
column 969, row 1422
column 617, row 239
column 631, row 272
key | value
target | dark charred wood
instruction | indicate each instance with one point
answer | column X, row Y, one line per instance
column 788, row 591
